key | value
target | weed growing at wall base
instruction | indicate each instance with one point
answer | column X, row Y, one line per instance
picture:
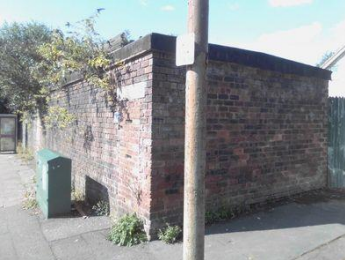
column 221, row 214
column 128, row 231
column 170, row 234
column 101, row 208
column 29, row 201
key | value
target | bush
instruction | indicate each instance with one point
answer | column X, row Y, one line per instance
column 128, row 231
column 170, row 234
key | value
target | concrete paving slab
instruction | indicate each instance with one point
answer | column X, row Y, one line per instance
column 27, row 238
column 19, row 219
column 74, row 248
column 104, row 249
column 28, row 231
column 98, row 243
column 3, row 227
column 59, row 228
column 33, row 247
column 301, row 230
column 3, row 222
column 13, row 191
column 334, row 250
column 284, row 233
column 159, row 250
column 7, row 250
column 154, row 250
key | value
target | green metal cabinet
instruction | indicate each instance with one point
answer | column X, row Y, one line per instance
column 53, row 191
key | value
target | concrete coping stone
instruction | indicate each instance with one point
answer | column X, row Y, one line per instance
column 165, row 43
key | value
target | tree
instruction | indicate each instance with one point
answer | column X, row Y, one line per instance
column 19, row 45
column 324, row 58
column 79, row 51
column 35, row 59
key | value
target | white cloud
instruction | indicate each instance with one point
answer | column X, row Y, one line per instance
column 301, row 44
column 339, row 29
column 287, row 3
column 168, row 8
column 306, row 44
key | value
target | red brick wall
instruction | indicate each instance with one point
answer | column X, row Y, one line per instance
column 266, row 131
column 266, row 136
column 111, row 160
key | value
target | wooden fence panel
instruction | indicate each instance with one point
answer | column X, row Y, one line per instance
column 336, row 142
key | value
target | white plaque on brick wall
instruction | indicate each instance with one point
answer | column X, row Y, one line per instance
column 131, row 92
column 185, row 49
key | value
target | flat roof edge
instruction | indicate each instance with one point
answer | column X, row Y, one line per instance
column 166, row 43
column 248, row 58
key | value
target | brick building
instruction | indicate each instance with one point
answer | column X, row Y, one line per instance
column 266, row 131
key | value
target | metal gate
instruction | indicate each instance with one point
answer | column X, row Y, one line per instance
column 8, row 133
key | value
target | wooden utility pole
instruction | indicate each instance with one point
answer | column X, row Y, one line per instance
column 195, row 135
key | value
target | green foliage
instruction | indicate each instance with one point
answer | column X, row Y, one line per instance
column 170, row 234
column 19, row 55
column 101, row 208
column 80, row 51
column 26, row 118
column 58, row 117
column 34, row 60
column 128, row 231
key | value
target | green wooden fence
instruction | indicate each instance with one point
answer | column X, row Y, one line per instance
column 336, row 142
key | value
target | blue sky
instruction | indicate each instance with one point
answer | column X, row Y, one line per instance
column 296, row 29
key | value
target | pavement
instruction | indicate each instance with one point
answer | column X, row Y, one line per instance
column 305, row 229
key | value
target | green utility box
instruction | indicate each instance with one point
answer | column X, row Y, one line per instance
column 53, row 192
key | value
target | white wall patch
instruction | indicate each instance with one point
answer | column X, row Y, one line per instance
column 132, row 92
